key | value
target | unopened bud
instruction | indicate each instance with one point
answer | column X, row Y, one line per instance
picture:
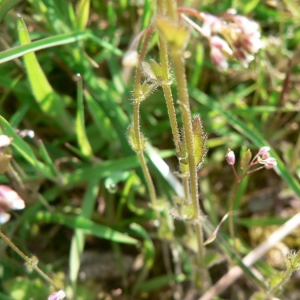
column 230, row 157
column 130, row 58
column 57, row 295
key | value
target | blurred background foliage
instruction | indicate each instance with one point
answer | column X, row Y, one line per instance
column 85, row 195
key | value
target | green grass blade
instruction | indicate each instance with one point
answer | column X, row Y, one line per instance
column 6, row 6
column 49, row 42
column 80, row 124
column 82, row 12
column 24, row 150
column 78, row 239
column 88, row 227
column 102, row 170
column 249, row 133
column 50, row 103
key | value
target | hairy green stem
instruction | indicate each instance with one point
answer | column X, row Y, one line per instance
column 31, row 262
column 136, row 119
column 230, row 214
column 179, row 69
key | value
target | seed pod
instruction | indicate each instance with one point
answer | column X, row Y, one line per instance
column 199, row 138
column 246, row 158
column 133, row 141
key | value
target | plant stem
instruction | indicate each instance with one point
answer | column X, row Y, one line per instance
column 169, row 99
column 136, row 120
column 31, row 262
column 282, row 282
column 230, row 213
column 179, row 69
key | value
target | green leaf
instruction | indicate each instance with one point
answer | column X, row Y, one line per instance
column 88, row 227
column 50, row 103
column 78, row 239
column 80, row 124
column 25, row 288
column 82, row 12
column 249, row 6
column 49, row 42
column 6, row 6
column 24, row 150
column 160, row 281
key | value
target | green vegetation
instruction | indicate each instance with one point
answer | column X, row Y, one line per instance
column 123, row 162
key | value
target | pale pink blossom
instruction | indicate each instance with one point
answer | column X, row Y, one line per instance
column 218, row 58
column 211, row 24
column 269, row 162
column 217, row 42
column 9, row 200
column 264, row 152
column 230, row 157
column 57, row 295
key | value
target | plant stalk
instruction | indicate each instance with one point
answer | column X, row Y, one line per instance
column 136, row 119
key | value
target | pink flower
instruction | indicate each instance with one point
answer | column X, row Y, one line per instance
column 211, row 24
column 218, row 58
column 243, row 57
column 264, row 152
column 217, row 42
column 57, row 295
column 269, row 162
column 9, row 199
column 230, row 157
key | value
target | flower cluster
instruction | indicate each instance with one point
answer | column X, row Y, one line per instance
column 262, row 157
column 229, row 36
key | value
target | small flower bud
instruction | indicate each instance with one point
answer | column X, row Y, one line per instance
column 218, row 59
column 130, row 58
column 264, row 150
column 57, row 295
column 230, row 157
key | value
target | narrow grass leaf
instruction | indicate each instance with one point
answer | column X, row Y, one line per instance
column 6, row 6
column 148, row 252
column 50, row 103
column 101, row 170
column 49, row 42
column 160, row 281
column 78, row 239
column 47, row 159
column 80, row 124
column 266, row 221
column 88, row 227
column 24, row 150
column 249, row 6
column 82, row 12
